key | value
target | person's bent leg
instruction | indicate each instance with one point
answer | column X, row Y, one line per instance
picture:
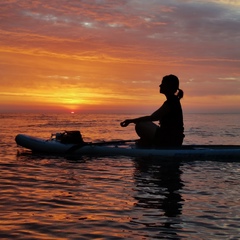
column 146, row 131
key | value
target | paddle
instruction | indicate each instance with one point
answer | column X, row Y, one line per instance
column 78, row 146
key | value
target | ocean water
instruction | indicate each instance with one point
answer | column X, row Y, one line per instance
column 52, row 197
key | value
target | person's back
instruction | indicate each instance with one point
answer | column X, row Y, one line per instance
column 170, row 132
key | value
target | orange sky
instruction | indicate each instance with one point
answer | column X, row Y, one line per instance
column 110, row 56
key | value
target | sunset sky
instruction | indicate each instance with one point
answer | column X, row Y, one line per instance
column 110, row 55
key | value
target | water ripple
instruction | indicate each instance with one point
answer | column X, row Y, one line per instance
column 47, row 197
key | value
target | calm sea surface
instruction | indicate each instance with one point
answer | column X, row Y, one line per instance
column 47, row 197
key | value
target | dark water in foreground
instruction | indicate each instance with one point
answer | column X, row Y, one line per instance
column 47, row 197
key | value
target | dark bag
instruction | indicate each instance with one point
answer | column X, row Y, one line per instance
column 73, row 137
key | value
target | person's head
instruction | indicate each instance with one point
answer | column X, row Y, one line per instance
column 170, row 85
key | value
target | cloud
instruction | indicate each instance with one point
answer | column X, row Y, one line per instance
column 84, row 42
column 181, row 28
column 139, row 29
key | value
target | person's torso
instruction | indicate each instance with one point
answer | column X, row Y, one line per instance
column 172, row 122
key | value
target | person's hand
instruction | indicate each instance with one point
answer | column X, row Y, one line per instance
column 125, row 123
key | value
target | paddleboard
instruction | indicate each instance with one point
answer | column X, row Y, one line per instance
column 199, row 152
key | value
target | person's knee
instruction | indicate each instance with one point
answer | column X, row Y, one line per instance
column 146, row 130
column 138, row 128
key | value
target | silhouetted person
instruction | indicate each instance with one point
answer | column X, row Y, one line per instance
column 169, row 133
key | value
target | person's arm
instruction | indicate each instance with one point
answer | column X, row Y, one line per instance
column 162, row 111
column 157, row 115
column 135, row 120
